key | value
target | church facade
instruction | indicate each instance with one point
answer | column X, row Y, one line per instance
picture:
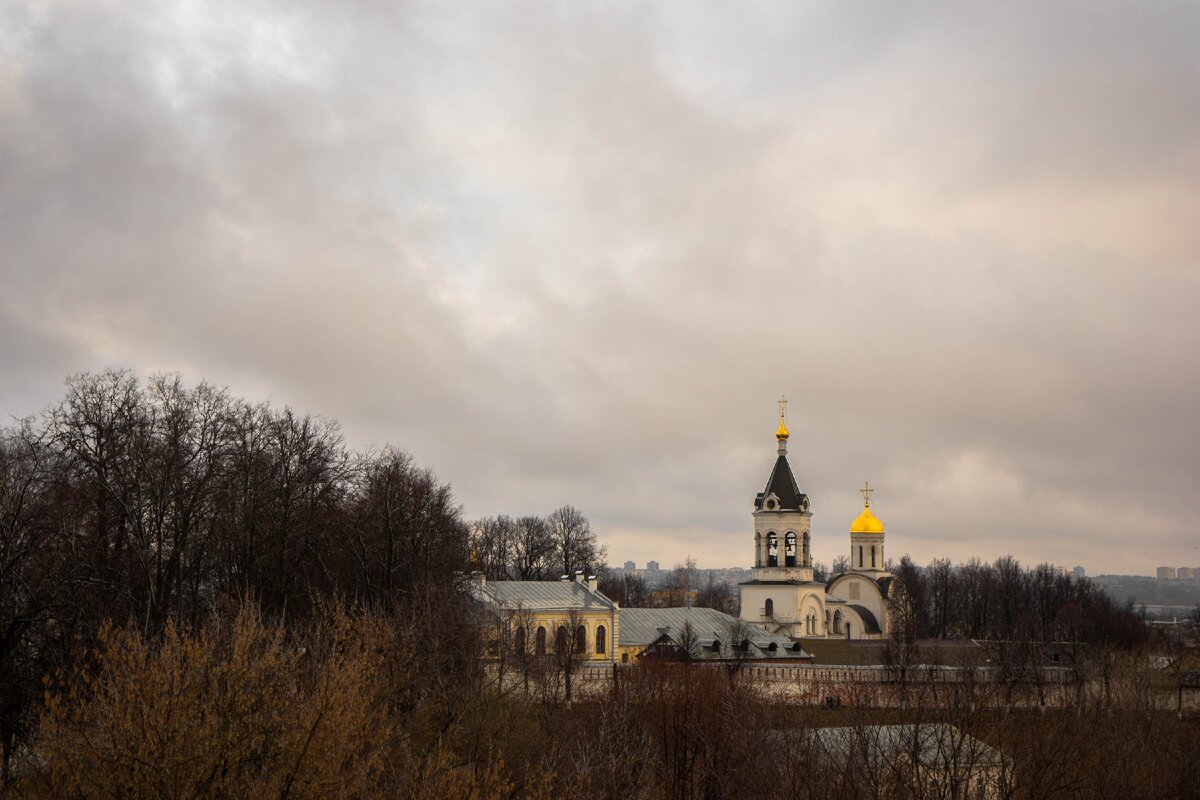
column 782, row 594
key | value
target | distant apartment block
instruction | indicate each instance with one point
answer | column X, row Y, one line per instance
column 1079, row 572
column 630, row 566
column 1179, row 573
column 652, row 566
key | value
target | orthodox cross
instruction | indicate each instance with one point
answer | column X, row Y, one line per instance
column 866, row 493
column 782, row 405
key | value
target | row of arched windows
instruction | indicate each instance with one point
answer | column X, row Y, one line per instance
column 560, row 639
column 860, row 556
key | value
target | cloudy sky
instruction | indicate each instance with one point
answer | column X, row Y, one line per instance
column 572, row 253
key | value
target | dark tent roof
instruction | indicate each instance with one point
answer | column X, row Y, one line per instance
column 782, row 484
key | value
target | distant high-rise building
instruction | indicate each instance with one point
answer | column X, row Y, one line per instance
column 1079, row 572
column 1166, row 573
column 1186, row 573
column 652, row 566
column 630, row 566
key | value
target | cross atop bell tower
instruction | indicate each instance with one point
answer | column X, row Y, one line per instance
column 781, row 434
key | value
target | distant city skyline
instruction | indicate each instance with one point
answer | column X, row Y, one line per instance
column 573, row 255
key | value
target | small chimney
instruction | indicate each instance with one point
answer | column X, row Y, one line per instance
column 579, row 576
column 593, row 583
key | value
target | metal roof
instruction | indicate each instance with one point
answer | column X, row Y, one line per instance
column 561, row 595
column 936, row 745
column 645, row 626
column 782, row 484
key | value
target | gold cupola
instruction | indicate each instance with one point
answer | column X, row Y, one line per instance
column 866, row 521
column 781, row 433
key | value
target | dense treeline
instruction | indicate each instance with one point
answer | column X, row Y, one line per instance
column 345, row 706
column 977, row 600
column 534, row 548
column 154, row 503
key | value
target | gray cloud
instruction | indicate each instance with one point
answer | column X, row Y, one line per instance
column 568, row 254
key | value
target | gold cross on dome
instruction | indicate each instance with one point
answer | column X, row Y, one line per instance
column 866, row 493
column 782, row 406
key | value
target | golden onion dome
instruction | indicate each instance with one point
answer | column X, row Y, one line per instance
column 866, row 522
column 782, row 432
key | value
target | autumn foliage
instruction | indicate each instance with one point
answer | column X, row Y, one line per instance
column 204, row 598
column 237, row 709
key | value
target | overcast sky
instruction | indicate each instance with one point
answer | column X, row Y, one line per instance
column 572, row 253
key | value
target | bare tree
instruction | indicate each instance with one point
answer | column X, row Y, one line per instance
column 493, row 547
column 533, row 549
column 681, row 585
column 628, row 590
column 942, row 586
column 574, row 542
column 570, row 650
column 718, row 594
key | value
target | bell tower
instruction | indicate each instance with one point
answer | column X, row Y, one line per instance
column 782, row 520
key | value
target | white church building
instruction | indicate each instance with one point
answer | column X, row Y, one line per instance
column 782, row 595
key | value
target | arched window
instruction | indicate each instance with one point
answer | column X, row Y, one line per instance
column 860, row 552
column 772, row 549
column 581, row 639
column 758, row 554
column 827, row 618
column 805, row 555
column 600, row 635
column 769, row 608
column 837, row 621
column 541, row 641
column 872, row 556
column 560, row 641
column 519, row 639
column 789, row 549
